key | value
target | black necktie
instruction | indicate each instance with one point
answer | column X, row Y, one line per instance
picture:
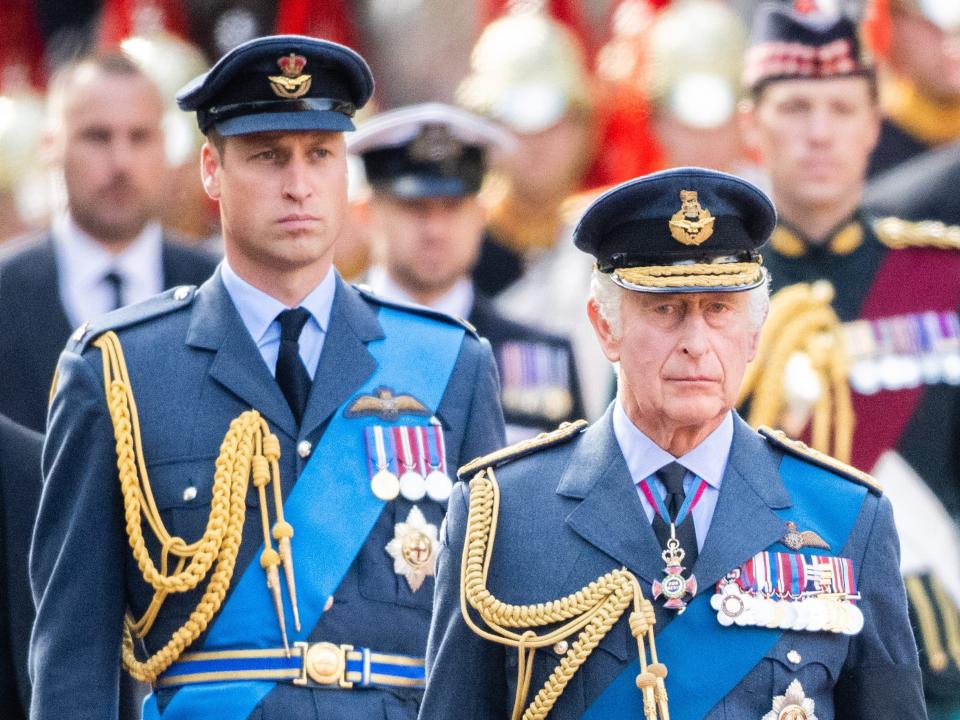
column 115, row 282
column 672, row 478
column 292, row 376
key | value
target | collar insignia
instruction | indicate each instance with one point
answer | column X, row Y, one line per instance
column 795, row 539
column 691, row 224
column 795, row 705
column 385, row 405
column 413, row 549
column 293, row 83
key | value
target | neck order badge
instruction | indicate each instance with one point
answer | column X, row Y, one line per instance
column 336, row 516
column 682, row 645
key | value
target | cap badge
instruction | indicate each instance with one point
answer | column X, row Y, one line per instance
column 293, row 83
column 691, row 224
column 435, row 144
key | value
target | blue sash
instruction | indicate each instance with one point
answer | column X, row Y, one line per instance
column 820, row 499
column 330, row 507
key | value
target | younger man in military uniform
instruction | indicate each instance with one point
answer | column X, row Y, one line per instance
column 669, row 555
column 425, row 164
column 262, row 426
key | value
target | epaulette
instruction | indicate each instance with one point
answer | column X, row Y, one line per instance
column 898, row 234
column 562, row 434
column 367, row 292
column 815, row 457
column 162, row 304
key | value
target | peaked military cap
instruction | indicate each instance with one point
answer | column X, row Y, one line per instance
column 787, row 44
column 681, row 230
column 280, row 82
column 427, row 150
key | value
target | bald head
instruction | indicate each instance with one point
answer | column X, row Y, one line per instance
column 104, row 131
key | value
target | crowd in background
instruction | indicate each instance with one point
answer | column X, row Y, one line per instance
column 591, row 93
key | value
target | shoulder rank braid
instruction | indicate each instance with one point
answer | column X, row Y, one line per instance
column 591, row 611
column 248, row 448
column 898, row 234
column 802, row 320
column 799, row 449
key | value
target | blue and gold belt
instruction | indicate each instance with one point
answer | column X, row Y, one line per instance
column 321, row 664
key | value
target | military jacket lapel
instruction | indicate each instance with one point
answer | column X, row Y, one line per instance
column 744, row 521
column 610, row 516
column 345, row 363
column 216, row 325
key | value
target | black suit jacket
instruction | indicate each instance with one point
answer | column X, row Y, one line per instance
column 20, row 481
column 34, row 325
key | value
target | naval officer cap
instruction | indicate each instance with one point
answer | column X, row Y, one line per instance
column 280, row 83
column 429, row 150
column 681, row 230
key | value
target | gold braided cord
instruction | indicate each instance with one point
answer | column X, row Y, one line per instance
column 936, row 655
column 898, row 234
column 801, row 320
column 591, row 612
column 248, row 442
column 697, row 275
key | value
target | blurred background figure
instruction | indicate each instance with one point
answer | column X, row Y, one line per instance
column 22, row 180
column 425, row 165
column 918, row 46
column 922, row 188
column 859, row 352
column 529, row 73
column 106, row 247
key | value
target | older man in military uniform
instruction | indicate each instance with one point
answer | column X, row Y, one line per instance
column 669, row 555
column 262, row 426
column 425, row 164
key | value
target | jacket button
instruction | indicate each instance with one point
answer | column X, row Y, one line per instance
column 794, row 657
column 304, row 448
column 189, row 493
column 561, row 647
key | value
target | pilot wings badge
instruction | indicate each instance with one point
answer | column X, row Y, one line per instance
column 385, row 405
column 795, row 539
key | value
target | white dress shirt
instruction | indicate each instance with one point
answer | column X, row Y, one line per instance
column 259, row 314
column 83, row 263
column 457, row 301
column 707, row 461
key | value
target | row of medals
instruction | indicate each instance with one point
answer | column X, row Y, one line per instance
column 813, row 612
column 905, row 360
column 411, row 485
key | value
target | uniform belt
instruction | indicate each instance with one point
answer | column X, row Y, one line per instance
column 321, row 664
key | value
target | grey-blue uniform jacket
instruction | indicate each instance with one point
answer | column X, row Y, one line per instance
column 194, row 368
column 570, row 513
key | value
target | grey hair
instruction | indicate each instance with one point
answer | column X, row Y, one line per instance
column 608, row 296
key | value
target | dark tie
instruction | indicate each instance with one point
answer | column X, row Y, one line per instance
column 672, row 478
column 292, row 376
column 115, row 282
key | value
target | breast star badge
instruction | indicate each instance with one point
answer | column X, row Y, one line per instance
column 792, row 706
column 413, row 549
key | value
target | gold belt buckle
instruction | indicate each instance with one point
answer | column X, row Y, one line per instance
column 324, row 663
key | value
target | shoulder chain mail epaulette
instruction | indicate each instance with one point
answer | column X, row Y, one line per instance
column 898, row 234
column 562, row 434
column 800, row 449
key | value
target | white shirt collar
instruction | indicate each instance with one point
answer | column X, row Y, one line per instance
column 457, row 301
column 82, row 263
column 258, row 310
column 708, row 460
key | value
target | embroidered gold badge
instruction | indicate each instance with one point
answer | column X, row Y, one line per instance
column 413, row 549
column 691, row 224
column 385, row 405
column 795, row 539
column 294, row 83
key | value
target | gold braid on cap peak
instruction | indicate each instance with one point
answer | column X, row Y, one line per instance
column 248, row 450
column 591, row 611
column 737, row 274
column 802, row 323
